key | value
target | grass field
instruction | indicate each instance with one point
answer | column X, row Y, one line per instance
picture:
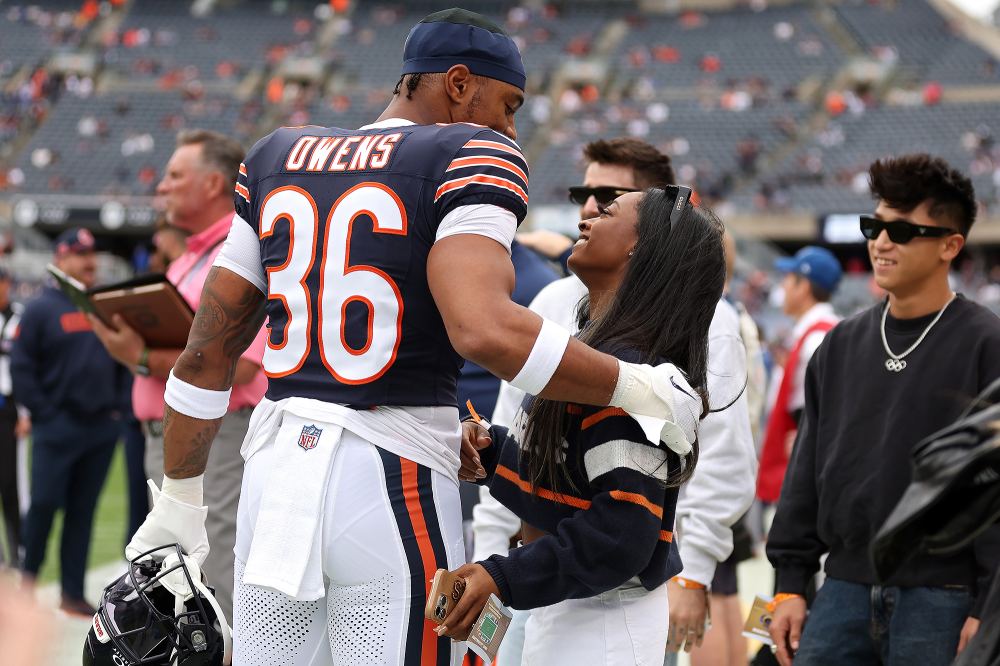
column 108, row 539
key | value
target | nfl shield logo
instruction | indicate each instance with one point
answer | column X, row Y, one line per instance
column 309, row 437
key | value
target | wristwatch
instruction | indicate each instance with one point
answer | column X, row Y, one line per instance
column 142, row 367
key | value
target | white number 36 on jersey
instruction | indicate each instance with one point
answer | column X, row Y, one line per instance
column 339, row 283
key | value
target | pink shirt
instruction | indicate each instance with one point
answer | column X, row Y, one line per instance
column 188, row 273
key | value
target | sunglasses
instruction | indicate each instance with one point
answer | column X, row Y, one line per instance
column 680, row 201
column 604, row 195
column 900, row 231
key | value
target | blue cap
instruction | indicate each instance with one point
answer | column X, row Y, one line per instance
column 460, row 37
column 816, row 264
column 76, row 240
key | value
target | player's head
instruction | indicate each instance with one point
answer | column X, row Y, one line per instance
column 665, row 270
column 74, row 255
column 459, row 66
column 617, row 166
column 920, row 190
column 198, row 181
column 810, row 277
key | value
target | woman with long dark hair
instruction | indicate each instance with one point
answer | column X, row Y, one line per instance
column 596, row 496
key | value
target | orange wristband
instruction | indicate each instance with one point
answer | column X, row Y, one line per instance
column 688, row 584
column 780, row 599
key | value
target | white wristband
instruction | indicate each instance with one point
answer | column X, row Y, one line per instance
column 547, row 352
column 195, row 401
column 190, row 491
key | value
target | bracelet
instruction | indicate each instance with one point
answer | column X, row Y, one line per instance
column 780, row 599
column 689, row 584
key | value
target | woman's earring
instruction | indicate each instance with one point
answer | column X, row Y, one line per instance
column 631, row 252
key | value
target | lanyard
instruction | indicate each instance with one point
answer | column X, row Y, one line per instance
column 197, row 265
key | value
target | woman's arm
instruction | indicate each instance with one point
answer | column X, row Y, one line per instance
column 600, row 547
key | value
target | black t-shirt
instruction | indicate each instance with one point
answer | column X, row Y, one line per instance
column 851, row 462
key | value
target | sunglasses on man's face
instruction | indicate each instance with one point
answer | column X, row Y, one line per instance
column 604, row 195
column 900, row 231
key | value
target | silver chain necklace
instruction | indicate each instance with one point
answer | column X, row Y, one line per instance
column 895, row 362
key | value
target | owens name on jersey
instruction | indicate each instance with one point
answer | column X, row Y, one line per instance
column 346, row 220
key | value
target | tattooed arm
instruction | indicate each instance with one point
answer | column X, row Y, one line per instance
column 229, row 317
column 230, row 314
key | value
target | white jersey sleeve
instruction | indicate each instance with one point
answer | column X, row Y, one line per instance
column 241, row 254
column 481, row 219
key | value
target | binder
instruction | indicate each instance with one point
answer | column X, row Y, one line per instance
column 149, row 303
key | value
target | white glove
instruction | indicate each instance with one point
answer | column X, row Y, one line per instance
column 649, row 395
column 172, row 520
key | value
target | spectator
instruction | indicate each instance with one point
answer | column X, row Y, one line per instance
column 724, row 644
column 70, row 385
column 197, row 189
column 169, row 243
column 880, row 382
column 10, row 425
column 811, row 279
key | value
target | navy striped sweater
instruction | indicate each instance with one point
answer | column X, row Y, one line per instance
column 615, row 526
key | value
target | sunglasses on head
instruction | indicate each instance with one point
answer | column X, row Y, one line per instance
column 682, row 194
column 604, row 195
column 900, row 231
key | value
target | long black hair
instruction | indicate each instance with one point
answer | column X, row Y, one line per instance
column 662, row 309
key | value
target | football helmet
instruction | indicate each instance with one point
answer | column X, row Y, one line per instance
column 159, row 613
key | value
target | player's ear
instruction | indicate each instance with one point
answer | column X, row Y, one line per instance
column 458, row 84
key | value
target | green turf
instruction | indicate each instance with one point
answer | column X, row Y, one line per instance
column 107, row 540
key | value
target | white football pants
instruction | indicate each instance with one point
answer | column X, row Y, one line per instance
column 390, row 524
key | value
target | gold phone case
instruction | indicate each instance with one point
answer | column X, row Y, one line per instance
column 446, row 590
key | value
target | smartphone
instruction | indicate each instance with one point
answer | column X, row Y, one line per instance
column 446, row 590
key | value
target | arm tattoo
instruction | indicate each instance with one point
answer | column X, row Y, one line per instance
column 192, row 458
column 230, row 314
column 228, row 319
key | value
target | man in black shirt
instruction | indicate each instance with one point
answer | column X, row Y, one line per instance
column 880, row 382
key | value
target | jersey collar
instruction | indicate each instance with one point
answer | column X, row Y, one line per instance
column 389, row 122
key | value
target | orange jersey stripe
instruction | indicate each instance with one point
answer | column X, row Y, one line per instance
column 495, row 181
column 596, row 418
column 243, row 192
column 666, row 536
column 411, row 496
column 243, row 169
column 499, row 162
column 544, row 493
column 636, row 498
column 495, row 145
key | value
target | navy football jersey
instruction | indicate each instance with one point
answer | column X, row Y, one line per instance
column 346, row 220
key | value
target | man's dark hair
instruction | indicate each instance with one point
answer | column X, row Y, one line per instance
column 819, row 294
column 906, row 181
column 411, row 81
column 218, row 151
column 651, row 167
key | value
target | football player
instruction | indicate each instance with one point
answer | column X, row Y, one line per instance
column 381, row 258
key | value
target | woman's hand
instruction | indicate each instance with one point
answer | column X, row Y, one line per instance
column 479, row 585
column 474, row 438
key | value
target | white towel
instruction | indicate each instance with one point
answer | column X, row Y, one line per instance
column 286, row 551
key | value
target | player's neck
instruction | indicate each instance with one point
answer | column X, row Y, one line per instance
column 400, row 107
